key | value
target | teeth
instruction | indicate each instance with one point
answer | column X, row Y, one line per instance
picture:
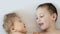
column 40, row 24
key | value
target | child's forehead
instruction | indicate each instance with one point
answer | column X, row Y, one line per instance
column 42, row 10
column 13, row 19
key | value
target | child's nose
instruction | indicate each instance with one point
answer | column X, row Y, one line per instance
column 39, row 20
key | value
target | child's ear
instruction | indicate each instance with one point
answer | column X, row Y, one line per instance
column 54, row 16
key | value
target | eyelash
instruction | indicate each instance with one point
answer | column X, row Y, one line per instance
column 41, row 16
column 36, row 17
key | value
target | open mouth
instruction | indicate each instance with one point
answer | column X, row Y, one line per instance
column 40, row 24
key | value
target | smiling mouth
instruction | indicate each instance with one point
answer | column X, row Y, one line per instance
column 40, row 24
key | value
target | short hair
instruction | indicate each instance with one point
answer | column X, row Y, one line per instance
column 52, row 9
column 8, row 22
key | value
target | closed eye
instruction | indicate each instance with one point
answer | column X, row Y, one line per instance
column 20, row 21
column 36, row 17
column 41, row 15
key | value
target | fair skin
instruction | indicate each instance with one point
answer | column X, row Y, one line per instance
column 18, row 28
column 46, row 21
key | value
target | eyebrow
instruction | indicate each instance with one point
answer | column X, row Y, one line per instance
column 42, row 14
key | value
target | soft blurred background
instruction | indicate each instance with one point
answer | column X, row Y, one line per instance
column 26, row 10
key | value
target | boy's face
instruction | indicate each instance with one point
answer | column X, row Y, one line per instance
column 18, row 26
column 44, row 18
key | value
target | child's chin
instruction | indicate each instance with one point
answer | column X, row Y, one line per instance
column 43, row 28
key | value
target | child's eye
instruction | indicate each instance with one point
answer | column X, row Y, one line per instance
column 42, row 15
column 36, row 17
column 20, row 21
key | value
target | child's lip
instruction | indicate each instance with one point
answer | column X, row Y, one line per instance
column 40, row 24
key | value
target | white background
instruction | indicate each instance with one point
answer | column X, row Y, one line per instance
column 26, row 10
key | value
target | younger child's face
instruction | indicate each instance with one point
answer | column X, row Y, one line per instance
column 18, row 26
column 43, row 18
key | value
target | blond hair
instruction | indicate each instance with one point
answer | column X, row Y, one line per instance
column 8, row 21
